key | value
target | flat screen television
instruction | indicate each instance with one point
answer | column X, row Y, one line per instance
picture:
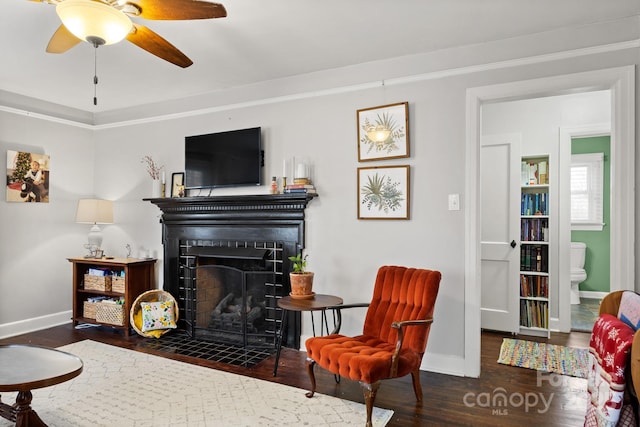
column 224, row 159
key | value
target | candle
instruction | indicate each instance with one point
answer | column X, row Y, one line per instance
column 163, row 177
column 301, row 171
column 284, row 167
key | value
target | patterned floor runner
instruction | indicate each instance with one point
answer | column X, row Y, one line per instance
column 545, row 357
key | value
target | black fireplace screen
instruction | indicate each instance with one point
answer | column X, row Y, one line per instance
column 228, row 291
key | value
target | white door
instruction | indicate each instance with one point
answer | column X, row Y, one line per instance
column 500, row 232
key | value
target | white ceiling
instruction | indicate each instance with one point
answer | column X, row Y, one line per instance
column 263, row 40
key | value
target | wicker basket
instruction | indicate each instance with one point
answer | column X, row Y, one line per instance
column 109, row 313
column 117, row 284
column 89, row 309
column 97, row 283
column 153, row 295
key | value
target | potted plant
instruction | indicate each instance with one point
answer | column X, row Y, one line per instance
column 301, row 280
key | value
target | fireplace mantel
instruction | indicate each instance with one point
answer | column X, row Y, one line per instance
column 278, row 218
column 259, row 206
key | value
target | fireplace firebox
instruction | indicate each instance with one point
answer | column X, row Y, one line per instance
column 231, row 289
column 226, row 263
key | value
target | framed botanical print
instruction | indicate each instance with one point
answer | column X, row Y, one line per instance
column 383, row 132
column 383, row 192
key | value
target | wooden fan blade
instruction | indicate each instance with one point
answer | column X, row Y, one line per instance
column 62, row 40
column 153, row 43
column 178, row 9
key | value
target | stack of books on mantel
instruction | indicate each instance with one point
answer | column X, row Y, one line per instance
column 300, row 185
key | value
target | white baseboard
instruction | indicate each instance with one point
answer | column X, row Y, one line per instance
column 34, row 324
column 443, row 364
column 593, row 294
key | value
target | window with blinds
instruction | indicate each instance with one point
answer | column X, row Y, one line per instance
column 587, row 177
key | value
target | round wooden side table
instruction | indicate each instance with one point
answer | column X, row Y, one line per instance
column 319, row 302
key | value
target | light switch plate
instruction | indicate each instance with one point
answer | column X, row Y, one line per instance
column 454, row 202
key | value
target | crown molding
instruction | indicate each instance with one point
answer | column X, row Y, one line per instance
column 451, row 72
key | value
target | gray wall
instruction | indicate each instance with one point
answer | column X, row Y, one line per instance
column 311, row 116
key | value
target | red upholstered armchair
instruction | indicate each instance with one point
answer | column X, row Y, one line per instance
column 394, row 336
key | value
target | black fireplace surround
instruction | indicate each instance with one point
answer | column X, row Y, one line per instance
column 205, row 236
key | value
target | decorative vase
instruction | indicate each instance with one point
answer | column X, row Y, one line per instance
column 156, row 189
column 301, row 285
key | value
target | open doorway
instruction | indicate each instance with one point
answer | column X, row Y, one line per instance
column 542, row 125
column 620, row 82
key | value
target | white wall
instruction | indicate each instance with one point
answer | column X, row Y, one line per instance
column 319, row 124
column 35, row 283
column 539, row 119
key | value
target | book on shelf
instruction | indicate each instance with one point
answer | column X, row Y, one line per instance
column 524, row 173
column 534, row 204
column 300, row 191
column 543, row 176
column 534, row 229
column 534, row 314
column 534, row 286
column 534, row 258
column 534, row 172
column 296, row 186
column 300, row 188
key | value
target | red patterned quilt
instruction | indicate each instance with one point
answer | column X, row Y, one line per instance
column 608, row 356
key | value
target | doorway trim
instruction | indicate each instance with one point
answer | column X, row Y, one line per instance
column 621, row 82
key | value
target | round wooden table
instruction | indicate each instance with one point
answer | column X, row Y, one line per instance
column 319, row 302
column 27, row 367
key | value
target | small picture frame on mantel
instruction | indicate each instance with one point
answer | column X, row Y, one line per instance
column 177, row 184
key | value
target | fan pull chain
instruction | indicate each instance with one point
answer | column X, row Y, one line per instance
column 95, row 75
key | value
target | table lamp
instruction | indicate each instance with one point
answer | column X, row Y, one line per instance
column 94, row 211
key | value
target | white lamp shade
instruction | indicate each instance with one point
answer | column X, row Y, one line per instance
column 89, row 20
column 94, row 211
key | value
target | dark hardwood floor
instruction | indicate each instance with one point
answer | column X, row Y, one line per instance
column 531, row 399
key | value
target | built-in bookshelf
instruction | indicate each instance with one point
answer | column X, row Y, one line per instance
column 534, row 246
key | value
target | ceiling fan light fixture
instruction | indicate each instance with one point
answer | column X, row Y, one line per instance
column 94, row 21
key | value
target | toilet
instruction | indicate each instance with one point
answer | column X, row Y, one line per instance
column 578, row 274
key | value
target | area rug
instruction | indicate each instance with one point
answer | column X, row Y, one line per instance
column 544, row 357
column 120, row 387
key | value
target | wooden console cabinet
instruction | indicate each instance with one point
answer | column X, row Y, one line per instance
column 138, row 278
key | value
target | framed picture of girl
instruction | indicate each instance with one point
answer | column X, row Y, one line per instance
column 27, row 177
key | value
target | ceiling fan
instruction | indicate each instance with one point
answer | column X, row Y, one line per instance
column 103, row 22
